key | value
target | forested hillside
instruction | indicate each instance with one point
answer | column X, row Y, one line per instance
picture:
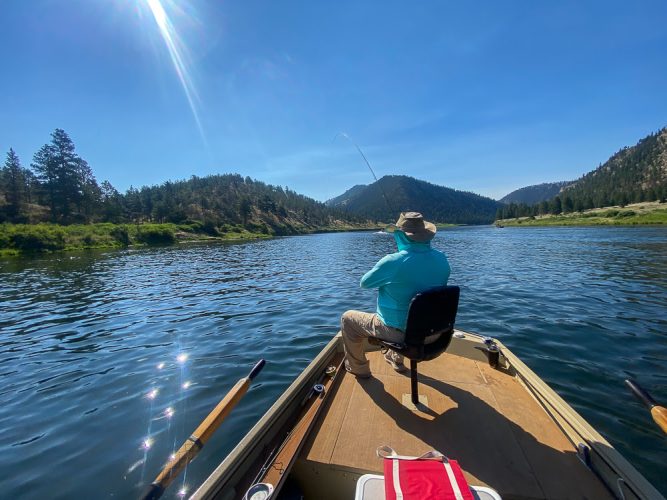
column 344, row 199
column 60, row 187
column 534, row 194
column 632, row 175
column 385, row 199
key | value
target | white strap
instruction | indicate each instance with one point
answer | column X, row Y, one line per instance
column 452, row 481
column 397, row 480
column 388, row 452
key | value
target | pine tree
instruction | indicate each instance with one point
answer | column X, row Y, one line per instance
column 67, row 179
column 15, row 184
column 47, row 175
column 68, row 167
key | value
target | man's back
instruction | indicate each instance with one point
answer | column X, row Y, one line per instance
column 400, row 276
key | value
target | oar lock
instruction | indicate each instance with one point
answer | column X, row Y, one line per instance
column 259, row 491
column 492, row 351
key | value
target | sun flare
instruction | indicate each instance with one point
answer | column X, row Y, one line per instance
column 176, row 52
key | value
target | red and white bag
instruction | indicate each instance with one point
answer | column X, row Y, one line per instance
column 429, row 477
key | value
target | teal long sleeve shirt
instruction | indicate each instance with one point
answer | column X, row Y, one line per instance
column 400, row 276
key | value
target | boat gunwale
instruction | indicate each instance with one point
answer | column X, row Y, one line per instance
column 551, row 402
column 248, row 445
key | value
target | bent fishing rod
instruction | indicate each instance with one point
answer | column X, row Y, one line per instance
column 384, row 195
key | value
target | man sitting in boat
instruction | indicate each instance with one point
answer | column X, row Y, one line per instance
column 399, row 276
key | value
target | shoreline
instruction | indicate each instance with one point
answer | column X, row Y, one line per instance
column 648, row 213
column 40, row 239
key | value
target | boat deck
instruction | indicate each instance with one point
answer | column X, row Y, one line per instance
column 484, row 418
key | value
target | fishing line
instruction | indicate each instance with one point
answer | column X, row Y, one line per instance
column 384, row 195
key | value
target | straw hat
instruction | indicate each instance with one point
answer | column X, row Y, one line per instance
column 414, row 226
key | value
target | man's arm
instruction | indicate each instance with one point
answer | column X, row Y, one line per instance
column 381, row 274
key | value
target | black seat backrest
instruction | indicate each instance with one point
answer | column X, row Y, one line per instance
column 431, row 312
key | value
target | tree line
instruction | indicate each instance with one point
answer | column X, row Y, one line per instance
column 60, row 187
column 632, row 175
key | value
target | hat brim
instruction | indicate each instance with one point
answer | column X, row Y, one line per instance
column 426, row 235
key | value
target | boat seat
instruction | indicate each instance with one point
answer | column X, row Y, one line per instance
column 429, row 329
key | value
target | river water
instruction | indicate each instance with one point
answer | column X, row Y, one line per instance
column 101, row 351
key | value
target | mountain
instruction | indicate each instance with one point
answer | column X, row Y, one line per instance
column 343, row 199
column 534, row 194
column 633, row 174
column 385, row 199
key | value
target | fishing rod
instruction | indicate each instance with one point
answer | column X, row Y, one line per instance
column 384, row 195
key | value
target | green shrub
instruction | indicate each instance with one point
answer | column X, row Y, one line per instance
column 151, row 234
column 627, row 213
column 190, row 226
column 209, row 227
column 121, row 235
column 5, row 238
column 89, row 240
column 38, row 239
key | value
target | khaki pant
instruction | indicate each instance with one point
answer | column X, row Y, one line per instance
column 357, row 326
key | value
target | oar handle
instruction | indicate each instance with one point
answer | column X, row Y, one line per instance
column 196, row 441
column 641, row 394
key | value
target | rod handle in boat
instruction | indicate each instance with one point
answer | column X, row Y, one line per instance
column 659, row 413
column 196, row 441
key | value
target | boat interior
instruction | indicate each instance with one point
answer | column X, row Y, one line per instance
column 480, row 416
column 504, row 426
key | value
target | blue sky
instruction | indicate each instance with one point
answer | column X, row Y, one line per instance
column 478, row 96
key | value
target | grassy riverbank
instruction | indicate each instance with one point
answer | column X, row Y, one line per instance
column 27, row 238
column 638, row 213
column 31, row 238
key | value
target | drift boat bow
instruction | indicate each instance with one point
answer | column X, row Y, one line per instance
column 479, row 404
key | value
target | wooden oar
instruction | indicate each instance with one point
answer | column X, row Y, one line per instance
column 659, row 413
column 196, row 441
column 276, row 470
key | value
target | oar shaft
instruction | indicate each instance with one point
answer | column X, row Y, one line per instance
column 641, row 394
column 201, row 435
column 659, row 413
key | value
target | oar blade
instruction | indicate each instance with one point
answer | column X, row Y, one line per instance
column 659, row 414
